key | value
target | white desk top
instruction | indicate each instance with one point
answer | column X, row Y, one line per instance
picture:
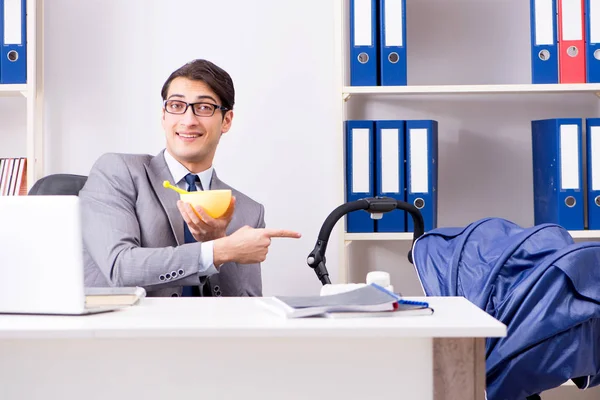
column 244, row 317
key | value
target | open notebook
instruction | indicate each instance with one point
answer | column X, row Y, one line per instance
column 405, row 308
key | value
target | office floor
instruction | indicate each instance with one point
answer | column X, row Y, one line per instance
column 572, row 393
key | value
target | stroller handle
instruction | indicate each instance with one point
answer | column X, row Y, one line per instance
column 373, row 205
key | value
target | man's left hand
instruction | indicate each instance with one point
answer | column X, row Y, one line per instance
column 202, row 226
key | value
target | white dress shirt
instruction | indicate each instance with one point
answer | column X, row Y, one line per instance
column 178, row 172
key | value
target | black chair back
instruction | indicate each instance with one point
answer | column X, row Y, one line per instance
column 58, row 184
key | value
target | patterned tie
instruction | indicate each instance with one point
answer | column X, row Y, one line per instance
column 192, row 180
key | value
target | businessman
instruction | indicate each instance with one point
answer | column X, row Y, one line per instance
column 137, row 233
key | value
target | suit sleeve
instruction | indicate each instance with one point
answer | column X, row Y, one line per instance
column 253, row 283
column 111, row 234
column 261, row 218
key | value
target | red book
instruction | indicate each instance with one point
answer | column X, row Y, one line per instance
column 571, row 41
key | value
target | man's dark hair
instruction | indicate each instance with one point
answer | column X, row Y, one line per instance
column 215, row 77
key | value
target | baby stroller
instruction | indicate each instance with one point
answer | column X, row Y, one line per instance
column 537, row 281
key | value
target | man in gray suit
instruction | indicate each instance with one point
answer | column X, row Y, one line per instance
column 137, row 233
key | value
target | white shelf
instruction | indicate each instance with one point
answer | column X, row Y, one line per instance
column 585, row 234
column 408, row 236
column 592, row 88
column 13, row 90
column 378, row 236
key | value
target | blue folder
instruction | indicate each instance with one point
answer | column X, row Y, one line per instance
column 592, row 43
column 364, row 45
column 392, row 42
column 389, row 167
column 544, row 46
column 13, row 42
column 422, row 170
column 359, row 172
column 592, row 126
column 557, row 172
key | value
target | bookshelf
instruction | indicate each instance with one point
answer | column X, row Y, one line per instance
column 32, row 91
column 484, row 103
column 477, row 110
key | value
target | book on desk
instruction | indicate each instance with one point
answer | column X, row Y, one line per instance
column 113, row 296
column 367, row 301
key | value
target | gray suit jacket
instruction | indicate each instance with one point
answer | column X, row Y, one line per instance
column 133, row 231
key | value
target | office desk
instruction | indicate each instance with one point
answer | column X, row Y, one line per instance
column 232, row 348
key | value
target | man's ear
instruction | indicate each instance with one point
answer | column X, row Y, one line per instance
column 227, row 119
column 163, row 119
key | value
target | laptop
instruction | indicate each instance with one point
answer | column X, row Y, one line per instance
column 41, row 259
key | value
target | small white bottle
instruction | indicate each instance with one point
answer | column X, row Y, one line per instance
column 380, row 278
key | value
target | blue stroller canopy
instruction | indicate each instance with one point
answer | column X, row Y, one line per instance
column 537, row 281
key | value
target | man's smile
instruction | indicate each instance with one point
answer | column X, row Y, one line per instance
column 189, row 136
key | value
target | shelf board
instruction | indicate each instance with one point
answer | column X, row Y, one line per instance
column 408, row 236
column 585, row 234
column 475, row 89
column 378, row 236
column 13, row 90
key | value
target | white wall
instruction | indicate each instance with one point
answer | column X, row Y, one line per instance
column 106, row 62
column 13, row 127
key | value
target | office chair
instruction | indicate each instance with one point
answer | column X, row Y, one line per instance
column 58, row 184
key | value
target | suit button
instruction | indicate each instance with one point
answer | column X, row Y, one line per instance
column 168, row 276
column 162, row 277
column 174, row 295
column 173, row 274
column 180, row 272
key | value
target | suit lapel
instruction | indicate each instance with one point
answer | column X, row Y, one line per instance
column 216, row 183
column 158, row 172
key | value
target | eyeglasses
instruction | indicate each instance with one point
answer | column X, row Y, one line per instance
column 199, row 109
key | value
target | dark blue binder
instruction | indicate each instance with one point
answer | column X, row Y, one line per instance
column 544, row 47
column 1, row 37
column 392, row 42
column 13, row 44
column 364, row 44
column 422, row 170
column 592, row 134
column 557, row 172
column 592, row 43
column 390, row 171
column 360, row 171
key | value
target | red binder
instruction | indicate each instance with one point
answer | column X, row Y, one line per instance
column 571, row 42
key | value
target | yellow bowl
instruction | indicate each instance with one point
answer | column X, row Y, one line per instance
column 214, row 202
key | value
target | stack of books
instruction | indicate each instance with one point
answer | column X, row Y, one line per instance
column 367, row 301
